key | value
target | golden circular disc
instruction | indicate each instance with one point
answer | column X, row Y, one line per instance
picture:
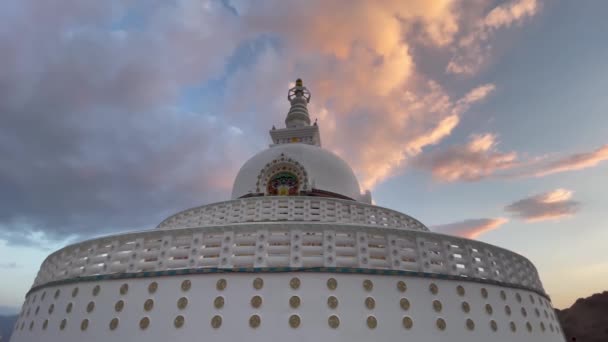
column 216, row 321
column 152, row 287
column 182, row 303
column 218, row 302
column 254, row 321
column 401, row 286
column 404, row 303
column 513, row 327
column 524, row 312
column 178, row 322
column 437, row 306
column 144, row 323
column 466, row 307
column 333, row 321
column 484, row 292
column 460, row 290
column 503, row 295
column 68, row 308
column 370, row 303
column 119, row 306
column 37, row 310
column 63, row 324
column 368, row 285
column 124, row 289
column 489, row 309
column 470, row 324
column 294, row 283
column 407, row 322
column 518, row 297
column 57, row 293
column 493, row 325
column 529, row 326
column 332, row 302
column 148, row 304
column 542, row 326
column 186, row 284
column 114, row 323
column 96, row 290
column 441, row 324
column 258, row 283
column 45, row 324
column 84, row 324
column 31, row 325
column 43, row 295
column 433, row 288
column 51, row 308
column 294, row 302
column 256, row 301
column 90, row 307
column 372, row 322
column 74, row 292
column 294, row 321
column 332, row 283
column 221, row 285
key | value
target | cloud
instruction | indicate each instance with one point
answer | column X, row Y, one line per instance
column 552, row 205
column 578, row 161
column 474, row 48
column 116, row 114
column 472, row 162
column 8, row 265
column 471, row 228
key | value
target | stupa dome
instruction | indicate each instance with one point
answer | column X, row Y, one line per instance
column 316, row 170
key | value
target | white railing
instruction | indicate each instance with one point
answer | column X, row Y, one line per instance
column 296, row 245
column 303, row 209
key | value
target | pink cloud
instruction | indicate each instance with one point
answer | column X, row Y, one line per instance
column 552, row 205
column 472, row 162
column 578, row 161
column 471, row 228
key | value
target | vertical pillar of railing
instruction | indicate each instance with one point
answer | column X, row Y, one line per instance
column 329, row 248
column 165, row 247
column 295, row 249
column 362, row 250
column 195, row 249
column 424, row 262
column 393, row 252
column 226, row 249
column 261, row 248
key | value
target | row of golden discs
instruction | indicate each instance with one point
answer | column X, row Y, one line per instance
column 294, row 302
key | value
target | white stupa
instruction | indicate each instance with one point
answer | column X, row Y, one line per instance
column 298, row 254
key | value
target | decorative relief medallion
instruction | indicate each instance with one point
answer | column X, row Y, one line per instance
column 513, row 326
column 508, row 310
column 470, row 324
column 484, row 292
column 258, row 283
column 221, row 284
column 294, row 321
column 124, row 288
column 433, row 288
column 466, row 307
column 524, row 312
column 256, row 301
column 407, row 322
column 51, row 308
column 96, row 290
column 518, row 297
column 404, row 303
column 503, row 295
column 186, row 285
column 152, row 287
column 216, row 321
column 182, row 303
column 148, row 305
column 63, row 323
column 294, row 302
column 529, row 326
column 178, row 322
column 46, row 324
column 437, row 306
column 372, row 322
column 68, row 308
column 460, row 290
column 114, row 323
column 254, row 321
column 370, row 303
column 332, row 283
column 282, row 176
column 119, row 306
column 368, row 285
column 332, row 302
column 333, row 321
column 57, row 293
column 84, row 324
column 294, row 283
column 493, row 325
column 441, row 324
column 489, row 309
column 90, row 307
column 401, row 286
column 218, row 302
column 144, row 323
column 75, row 292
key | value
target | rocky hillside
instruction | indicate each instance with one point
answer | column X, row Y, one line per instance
column 587, row 319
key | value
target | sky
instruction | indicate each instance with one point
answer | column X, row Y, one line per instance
column 481, row 118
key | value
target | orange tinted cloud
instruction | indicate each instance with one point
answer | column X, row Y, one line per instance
column 552, row 205
column 472, row 228
column 574, row 162
column 472, row 162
